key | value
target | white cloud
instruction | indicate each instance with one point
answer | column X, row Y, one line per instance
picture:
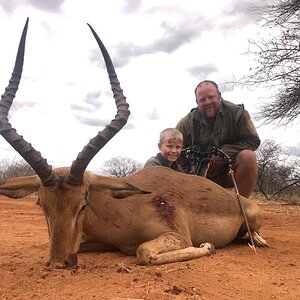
column 161, row 50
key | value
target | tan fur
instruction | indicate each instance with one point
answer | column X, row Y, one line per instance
column 158, row 214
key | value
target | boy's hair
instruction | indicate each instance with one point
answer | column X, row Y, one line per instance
column 170, row 133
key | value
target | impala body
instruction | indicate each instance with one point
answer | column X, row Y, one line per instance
column 158, row 214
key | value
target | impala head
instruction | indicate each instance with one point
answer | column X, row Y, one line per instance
column 64, row 192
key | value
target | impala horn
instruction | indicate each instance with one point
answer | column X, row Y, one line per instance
column 92, row 148
column 33, row 157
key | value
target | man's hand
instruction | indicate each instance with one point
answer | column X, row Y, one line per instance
column 216, row 163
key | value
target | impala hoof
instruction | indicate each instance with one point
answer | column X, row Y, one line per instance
column 211, row 248
column 70, row 262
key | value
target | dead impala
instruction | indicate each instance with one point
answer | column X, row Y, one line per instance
column 158, row 214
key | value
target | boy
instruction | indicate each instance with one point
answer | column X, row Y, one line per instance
column 170, row 146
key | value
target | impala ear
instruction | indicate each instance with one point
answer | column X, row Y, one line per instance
column 121, row 189
column 128, row 190
column 20, row 187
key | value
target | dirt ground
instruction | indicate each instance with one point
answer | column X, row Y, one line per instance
column 233, row 272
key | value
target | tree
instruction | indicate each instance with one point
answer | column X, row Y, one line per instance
column 121, row 166
column 277, row 173
column 277, row 56
column 14, row 168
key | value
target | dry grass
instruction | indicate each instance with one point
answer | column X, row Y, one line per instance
column 285, row 199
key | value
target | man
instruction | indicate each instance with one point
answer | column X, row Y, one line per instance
column 226, row 126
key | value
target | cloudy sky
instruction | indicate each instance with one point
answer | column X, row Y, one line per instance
column 161, row 49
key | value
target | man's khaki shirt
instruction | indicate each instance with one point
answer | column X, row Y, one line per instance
column 233, row 130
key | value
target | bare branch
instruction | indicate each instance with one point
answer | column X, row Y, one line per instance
column 121, row 166
column 276, row 53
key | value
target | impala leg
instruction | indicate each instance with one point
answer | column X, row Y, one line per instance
column 95, row 247
column 259, row 241
column 254, row 219
column 169, row 248
column 89, row 245
column 188, row 253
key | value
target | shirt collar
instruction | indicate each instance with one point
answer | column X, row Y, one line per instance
column 165, row 163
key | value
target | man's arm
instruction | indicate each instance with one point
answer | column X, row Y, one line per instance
column 184, row 127
column 247, row 137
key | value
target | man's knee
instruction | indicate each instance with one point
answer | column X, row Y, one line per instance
column 247, row 157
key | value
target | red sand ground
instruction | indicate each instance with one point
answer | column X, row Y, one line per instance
column 233, row 272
